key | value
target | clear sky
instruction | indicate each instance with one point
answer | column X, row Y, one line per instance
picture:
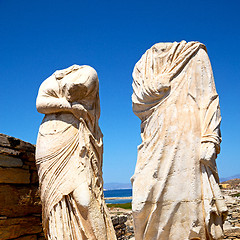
column 39, row 37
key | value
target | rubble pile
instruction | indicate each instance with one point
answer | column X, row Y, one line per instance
column 123, row 223
column 232, row 223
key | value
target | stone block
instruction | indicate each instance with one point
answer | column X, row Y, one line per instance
column 9, row 161
column 16, row 201
column 16, row 227
column 9, row 151
column 28, row 237
column 26, row 167
column 14, row 175
column 15, row 143
column 41, row 236
column 28, row 156
column 32, row 165
column 34, row 177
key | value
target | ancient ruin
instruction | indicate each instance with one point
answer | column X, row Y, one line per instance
column 175, row 184
column 69, row 157
column 20, row 205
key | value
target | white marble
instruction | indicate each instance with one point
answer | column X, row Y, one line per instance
column 175, row 184
column 69, row 157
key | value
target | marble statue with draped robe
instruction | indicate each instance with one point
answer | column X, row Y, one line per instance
column 69, row 157
column 175, row 185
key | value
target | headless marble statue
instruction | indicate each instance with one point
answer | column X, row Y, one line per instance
column 175, row 184
column 69, row 157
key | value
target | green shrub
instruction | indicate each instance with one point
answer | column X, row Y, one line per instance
column 236, row 195
column 120, row 205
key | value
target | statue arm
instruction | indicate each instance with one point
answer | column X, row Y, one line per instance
column 48, row 105
column 48, row 99
column 209, row 110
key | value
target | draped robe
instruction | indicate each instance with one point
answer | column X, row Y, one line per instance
column 69, row 157
column 175, row 193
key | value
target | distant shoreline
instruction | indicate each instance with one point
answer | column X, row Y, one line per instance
column 117, row 198
column 117, row 189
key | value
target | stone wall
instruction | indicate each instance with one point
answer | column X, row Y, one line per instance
column 20, row 207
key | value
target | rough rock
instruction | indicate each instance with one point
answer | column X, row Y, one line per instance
column 29, row 237
column 9, row 161
column 14, row 175
column 9, row 151
column 18, row 201
column 16, row 227
column 232, row 223
column 15, row 143
column 122, row 223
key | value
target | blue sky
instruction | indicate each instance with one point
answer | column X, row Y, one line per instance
column 39, row 37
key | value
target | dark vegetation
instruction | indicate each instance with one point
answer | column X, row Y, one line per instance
column 120, row 205
column 236, row 195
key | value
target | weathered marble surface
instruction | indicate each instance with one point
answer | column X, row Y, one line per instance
column 175, row 184
column 69, row 157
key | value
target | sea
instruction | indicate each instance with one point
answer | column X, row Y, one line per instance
column 118, row 193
